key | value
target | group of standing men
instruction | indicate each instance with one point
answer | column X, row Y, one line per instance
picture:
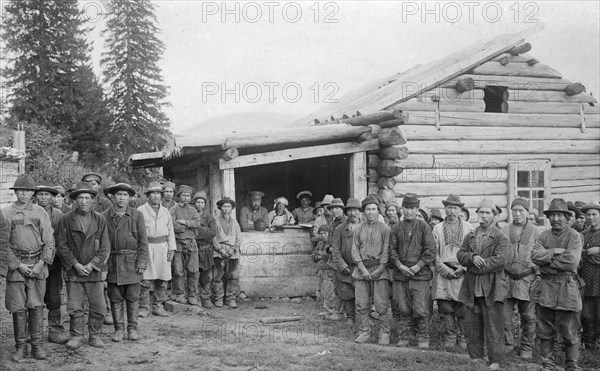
column 478, row 276
column 110, row 249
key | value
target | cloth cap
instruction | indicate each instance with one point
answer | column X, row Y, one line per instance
column 392, row 203
column 352, row 203
column 44, row 186
column 154, row 187
column 25, row 182
column 520, row 202
column 410, row 200
column 324, row 228
column 590, row 206
column 579, row 204
column 426, row 213
column 200, row 194
column 169, row 185
column 283, row 200
column 185, row 189
column 369, row 200
column 256, row 195
column 437, row 214
column 487, row 203
column 82, row 187
column 92, row 176
column 317, row 206
column 307, row 194
column 225, row 200
column 453, row 200
column 336, row 202
column 558, row 205
column 575, row 210
column 60, row 189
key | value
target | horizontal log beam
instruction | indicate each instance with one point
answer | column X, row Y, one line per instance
column 514, row 82
column 479, row 161
column 509, row 58
column 420, row 174
column 575, row 183
column 373, row 118
column 441, row 189
column 443, row 106
column 579, row 172
column 470, row 201
column 501, row 119
column 430, row 133
column 580, row 189
column 544, row 107
column 299, row 154
column 500, row 147
column 517, row 69
column 536, row 95
column 586, row 196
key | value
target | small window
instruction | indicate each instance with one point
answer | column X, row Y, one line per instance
column 496, row 98
column 530, row 181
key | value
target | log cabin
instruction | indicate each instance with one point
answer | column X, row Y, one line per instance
column 488, row 120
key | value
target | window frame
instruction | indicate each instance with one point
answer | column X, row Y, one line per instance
column 532, row 165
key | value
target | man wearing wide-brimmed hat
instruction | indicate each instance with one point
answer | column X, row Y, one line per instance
column 412, row 251
column 590, row 272
column 44, row 195
column 29, row 252
column 227, row 244
column 161, row 247
column 253, row 213
column 60, row 201
column 101, row 203
column 521, row 274
column 371, row 241
column 83, row 247
column 168, row 200
column 204, row 237
column 557, row 252
column 449, row 236
column 185, row 262
column 483, row 290
column 341, row 248
column 127, row 261
column 304, row 213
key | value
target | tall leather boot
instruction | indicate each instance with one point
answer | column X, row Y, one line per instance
column 589, row 335
column 20, row 327
column 449, row 328
column 108, row 320
column 95, row 329
column 118, row 316
column 546, row 348
column 364, row 326
column 571, row 357
column 422, row 327
column 36, row 327
column 56, row 331
column 218, row 293
column 76, row 328
column 385, row 322
column 132, row 320
column 144, row 302
column 405, row 331
column 461, row 343
column 205, row 293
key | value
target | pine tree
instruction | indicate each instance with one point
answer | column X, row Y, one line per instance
column 136, row 93
column 48, row 75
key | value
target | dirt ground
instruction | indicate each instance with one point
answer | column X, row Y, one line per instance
column 234, row 339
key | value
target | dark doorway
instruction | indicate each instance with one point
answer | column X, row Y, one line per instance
column 321, row 176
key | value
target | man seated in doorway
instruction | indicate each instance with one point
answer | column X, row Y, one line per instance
column 254, row 212
column 280, row 215
column 304, row 214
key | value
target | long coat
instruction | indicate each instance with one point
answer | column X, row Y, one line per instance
column 128, row 246
column 161, row 240
column 78, row 246
column 341, row 250
column 493, row 250
column 447, row 289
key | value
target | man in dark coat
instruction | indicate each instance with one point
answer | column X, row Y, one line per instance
column 204, row 238
column 127, row 261
column 484, row 288
column 590, row 272
column 83, row 246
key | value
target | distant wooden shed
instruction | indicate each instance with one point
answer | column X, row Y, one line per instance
column 488, row 120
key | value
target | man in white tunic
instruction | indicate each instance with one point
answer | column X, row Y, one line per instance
column 161, row 243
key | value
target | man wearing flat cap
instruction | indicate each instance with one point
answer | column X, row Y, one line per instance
column 44, row 195
column 227, row 244
column 162, row 248
column 168, row 195
column 29, row 252
column 83, row 246
column 412, row 251
column 341, row 249
column 304, row 214
column 101, row 204
column 557, row 295
column 449, row 236
column 127, row 261
column 253, row 213
column 204, row 238
column 185, row 262
column 370, row 244
column 521, row 273
column 483, row 290
column 590, row 272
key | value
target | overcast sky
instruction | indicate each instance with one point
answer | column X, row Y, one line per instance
column 289, row 58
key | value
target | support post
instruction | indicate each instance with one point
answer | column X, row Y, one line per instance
column 358, row 175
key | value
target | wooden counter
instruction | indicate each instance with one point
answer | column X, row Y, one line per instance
column 277, row 264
